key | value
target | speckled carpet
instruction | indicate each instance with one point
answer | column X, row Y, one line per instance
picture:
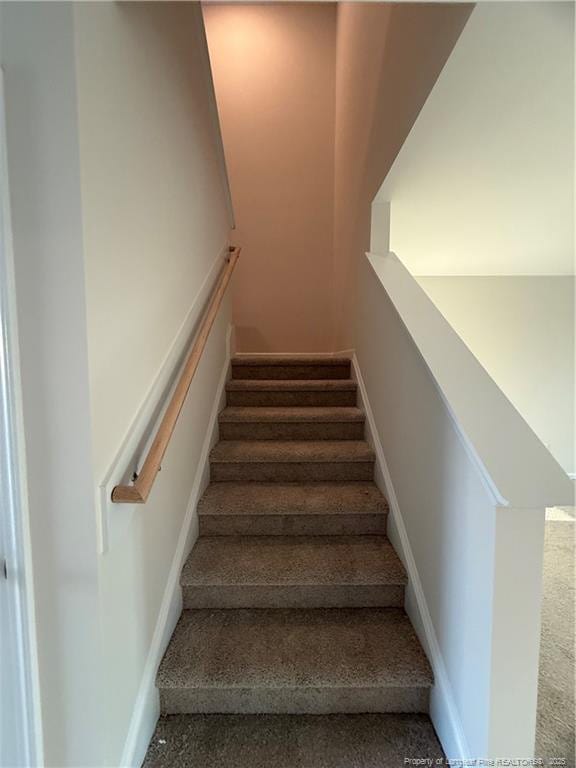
column 348, row 741
column 555, row 731
column 291, row 741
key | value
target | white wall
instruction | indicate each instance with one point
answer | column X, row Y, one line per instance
column 522, row 331
column 120, row 219
column 140, row 571
column 472, row 592
column 484, row 182
column 43, row 163
column 154, row 219
column 445, row 509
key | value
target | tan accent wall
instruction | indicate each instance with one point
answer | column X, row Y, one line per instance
column 315, row 101
column 273, row 67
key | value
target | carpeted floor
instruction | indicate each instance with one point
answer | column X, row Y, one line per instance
column 347, row 741
column 292, row 741
column 555, row 732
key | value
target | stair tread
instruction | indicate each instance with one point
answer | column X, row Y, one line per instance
column 287, row 741
column 295, row 649
column 291, row 414
column 291, row 451
column 298, row 360
column 293, row 560
column 292, row 499
column 290, row 385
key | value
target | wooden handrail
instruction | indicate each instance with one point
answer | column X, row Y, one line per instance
column 139, row 491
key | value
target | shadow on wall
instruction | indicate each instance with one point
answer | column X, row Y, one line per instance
column 468, row 215
column 388, row 59
column 315, row 100
column 251, row 338
column 484, row 183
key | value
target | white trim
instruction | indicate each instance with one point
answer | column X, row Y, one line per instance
column 475, row 460
column 443, row 708
column 144, row 418
column 572, row 475
column 147, row 706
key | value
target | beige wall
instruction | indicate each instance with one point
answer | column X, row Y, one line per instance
column 522, row 331
column 388, row 58
column 315, row 101
column 273, row 67
column 154, row 217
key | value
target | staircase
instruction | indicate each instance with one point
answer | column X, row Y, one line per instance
column 293, row 595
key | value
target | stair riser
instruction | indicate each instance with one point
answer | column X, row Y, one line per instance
column 344, row 430
column 378, row 596
column 277, row 472
column 287, row 372
column 313, row 701
column 292, row 525
column 255, row 398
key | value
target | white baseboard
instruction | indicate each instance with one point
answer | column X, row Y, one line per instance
column 443, row 709
column 147, row 706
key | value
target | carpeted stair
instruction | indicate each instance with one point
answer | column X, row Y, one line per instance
column 293, row 595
